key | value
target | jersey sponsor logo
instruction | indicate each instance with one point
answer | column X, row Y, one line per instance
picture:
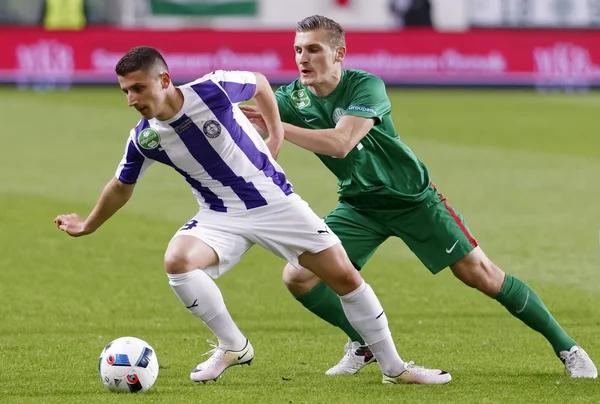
column 149, row 139
column 309, row 120
column 362, row 108
column 211, row 128
column 338, row 113
column 300, row 97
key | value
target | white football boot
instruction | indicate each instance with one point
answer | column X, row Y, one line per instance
column 355, row 358
column 418, row 375
column 578, row 363
column 220, row 360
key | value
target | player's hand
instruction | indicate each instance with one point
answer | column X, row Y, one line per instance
column 275, row 140
column 71, row 224
column 260, row 126
column 274, row 145
column 251, row 111
column 256, row 119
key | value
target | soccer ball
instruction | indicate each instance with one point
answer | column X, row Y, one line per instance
column 128, row 365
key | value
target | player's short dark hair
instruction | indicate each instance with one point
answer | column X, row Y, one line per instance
column 316, row 22
column 140, row 58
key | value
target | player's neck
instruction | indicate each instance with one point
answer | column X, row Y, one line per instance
column 173, row 104
column 326, row 87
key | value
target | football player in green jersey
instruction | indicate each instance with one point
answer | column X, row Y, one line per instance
column 343, row 116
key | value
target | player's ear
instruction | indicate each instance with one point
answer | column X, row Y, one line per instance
column 165, row 79
column 340, row 53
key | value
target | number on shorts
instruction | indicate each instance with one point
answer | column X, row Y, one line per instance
column 189, row 225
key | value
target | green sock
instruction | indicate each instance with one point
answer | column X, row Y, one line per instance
column 325, row 303
column 522, row 302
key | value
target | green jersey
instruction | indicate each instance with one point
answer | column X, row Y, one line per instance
column 381, row 171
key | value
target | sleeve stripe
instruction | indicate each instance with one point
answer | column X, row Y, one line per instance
column 132, row 165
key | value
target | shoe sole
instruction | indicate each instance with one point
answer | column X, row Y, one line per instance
column 248, row 362
column 583, row 376
column 404, row 381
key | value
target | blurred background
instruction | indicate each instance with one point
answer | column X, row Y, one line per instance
column 501, row 109
column 406, row 42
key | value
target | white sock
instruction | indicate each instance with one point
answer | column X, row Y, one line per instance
column 229, row 335
column 202, row 297
column 366, row 315
column 391, row 365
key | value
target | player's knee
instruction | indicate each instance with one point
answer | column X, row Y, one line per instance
column 351, row 278
column 186, row 253
column 494, row 278
column 478, row 271
column 176, row 262
column 289, row 276
column 346, row 280
column 299, row 281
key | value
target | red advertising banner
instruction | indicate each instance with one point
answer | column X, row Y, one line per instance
column 477, row 57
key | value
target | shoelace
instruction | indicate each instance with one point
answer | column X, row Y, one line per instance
column 576, row 360
column 216, row 352
column 411, row 366
column 348, row 347
column 348, row 356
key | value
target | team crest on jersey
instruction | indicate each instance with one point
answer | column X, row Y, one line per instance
column 300, row 97
column 211, row 128
column 149, row 139
column 338, row 113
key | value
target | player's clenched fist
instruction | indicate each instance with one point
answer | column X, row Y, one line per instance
column 71, row 224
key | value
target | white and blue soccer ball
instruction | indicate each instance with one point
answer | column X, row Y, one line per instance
column 128, row 365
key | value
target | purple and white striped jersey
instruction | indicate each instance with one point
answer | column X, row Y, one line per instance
column 212, row 145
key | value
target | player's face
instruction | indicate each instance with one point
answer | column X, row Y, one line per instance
column 145, row 91
column 317, row 60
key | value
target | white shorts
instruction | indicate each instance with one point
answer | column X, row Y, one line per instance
column 287, row 230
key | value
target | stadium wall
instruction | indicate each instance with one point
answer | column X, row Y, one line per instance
column 421, row 57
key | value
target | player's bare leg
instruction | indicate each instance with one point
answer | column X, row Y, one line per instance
column 364, row 312
column 184, row 260
column 478, row 271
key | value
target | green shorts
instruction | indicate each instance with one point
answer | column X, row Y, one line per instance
column 433, row 230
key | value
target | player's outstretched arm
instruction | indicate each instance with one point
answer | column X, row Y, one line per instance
column 113, row 197
column 265, row 101
column 336, row 142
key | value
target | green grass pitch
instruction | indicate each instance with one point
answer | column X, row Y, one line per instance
column 521, row 167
